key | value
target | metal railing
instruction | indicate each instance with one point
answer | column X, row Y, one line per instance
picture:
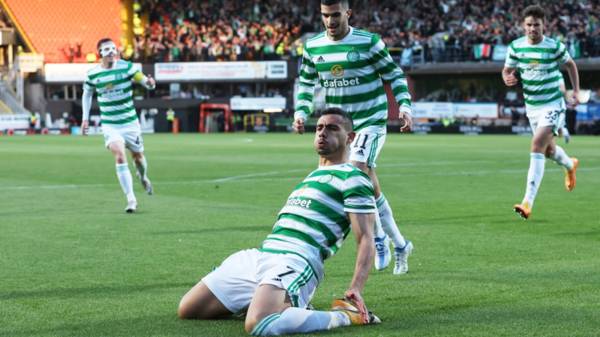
column 8, row 96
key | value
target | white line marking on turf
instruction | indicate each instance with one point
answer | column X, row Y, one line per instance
column 268, row 176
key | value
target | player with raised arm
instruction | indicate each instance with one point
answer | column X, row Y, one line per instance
column 536, row 58
column 354, row 69
column 112, row 81
column 276, row 282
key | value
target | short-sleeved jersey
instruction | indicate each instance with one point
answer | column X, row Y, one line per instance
column 314, row 222
column 351, row 71
column 538, row 66
column 114, row 89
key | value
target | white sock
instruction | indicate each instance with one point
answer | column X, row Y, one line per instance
column 534, row 176
column 565, row 132
column 561, row 158
column 142, row 166
column 388, row 222
column 378, row 229
column 298, row 320
column 125, row 180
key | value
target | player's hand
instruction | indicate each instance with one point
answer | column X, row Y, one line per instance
column 84, row 128
column 510, row 78
column 355, row 296
column 298, row 125
column 573, row 101
column 406, row 120
column 150, row 82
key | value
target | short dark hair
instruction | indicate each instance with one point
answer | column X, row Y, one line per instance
column 535, row 11
column 345, row 3
column 104, row 40
column 348, row 124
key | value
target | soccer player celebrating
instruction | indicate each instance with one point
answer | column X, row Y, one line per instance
column 355, row 70
column 112, row 80
column 276, row 282
column 536, row 58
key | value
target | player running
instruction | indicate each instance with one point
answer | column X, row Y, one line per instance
column 536, row 58
column 352, row 66
column 112, row 81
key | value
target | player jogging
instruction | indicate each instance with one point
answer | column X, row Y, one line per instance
column 351, row 66
column 275, row 283
column 536, row 58
column 112, row 81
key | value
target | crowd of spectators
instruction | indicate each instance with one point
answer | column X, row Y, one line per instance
column 432, row 30
column 226, row 30
column 451, row 29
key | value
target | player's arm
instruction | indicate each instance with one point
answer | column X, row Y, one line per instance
column 146, row 80
column 394, row 81
column 306, row 89
column 574, row 76
column 362, row 226
column 510, row 68
column 86, row 106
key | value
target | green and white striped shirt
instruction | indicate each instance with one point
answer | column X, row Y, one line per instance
column 114, row 88
column 538, row 65
column 313, row 223
column 351, row 71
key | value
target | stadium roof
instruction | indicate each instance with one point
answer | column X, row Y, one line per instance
column 50, row 27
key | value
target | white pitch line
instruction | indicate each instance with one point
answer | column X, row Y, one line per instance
column 268, row 176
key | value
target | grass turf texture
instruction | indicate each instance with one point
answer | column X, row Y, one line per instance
column 74, row 264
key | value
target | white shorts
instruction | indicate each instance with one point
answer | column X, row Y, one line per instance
column 237, row 278
column 551, row 115
column 366, row 146
column 129, row 134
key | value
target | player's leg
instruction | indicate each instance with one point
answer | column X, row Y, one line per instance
column 227, row 289
column 559, row 156
column 402, row 247
column 135, row 143
column 201, row 303
column 278, row 306
column 142, row 171
column 542, row 138
column 570, row 165
column 364, row 151
column 116, row 145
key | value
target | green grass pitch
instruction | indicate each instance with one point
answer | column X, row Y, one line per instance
column 72, row 263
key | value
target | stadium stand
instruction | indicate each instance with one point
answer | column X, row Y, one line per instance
column 428, row 31
column 222, row 30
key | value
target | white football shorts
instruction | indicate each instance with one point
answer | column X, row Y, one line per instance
column 130, row 134
column 552, row 116
column 367, row 145
column 237, row 278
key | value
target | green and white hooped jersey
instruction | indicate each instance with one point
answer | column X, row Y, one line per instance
column 313, row 223
column 114, row 89
column 351, row 71
column 538, row 65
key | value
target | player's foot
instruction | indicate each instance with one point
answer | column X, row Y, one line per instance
column 401, row 255
column 131, row 206
column 567, row 138
column 349, row 308
column 145, row 183
column 382, row 252
column 570, row 175
column 524, row 210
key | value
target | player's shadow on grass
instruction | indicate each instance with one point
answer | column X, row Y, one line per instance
column 94, row 291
